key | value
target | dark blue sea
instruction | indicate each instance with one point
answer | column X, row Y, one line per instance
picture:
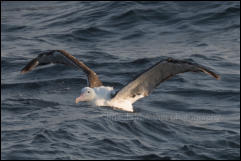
column 191, row 116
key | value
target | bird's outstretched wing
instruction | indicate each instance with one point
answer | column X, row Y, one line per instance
column 143, row 84
column 62, row 57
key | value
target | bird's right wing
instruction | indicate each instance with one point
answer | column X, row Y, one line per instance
column 62, row 57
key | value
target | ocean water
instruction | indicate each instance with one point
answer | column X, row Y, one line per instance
column 190, row 116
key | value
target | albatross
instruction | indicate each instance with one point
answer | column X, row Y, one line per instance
column 100, row 95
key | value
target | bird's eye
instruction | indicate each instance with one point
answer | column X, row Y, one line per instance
column 88, row 91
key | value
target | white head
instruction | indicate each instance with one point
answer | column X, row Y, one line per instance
column 87, row 94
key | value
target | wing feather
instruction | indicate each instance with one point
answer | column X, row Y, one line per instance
column 146, row 82
column 62, row 57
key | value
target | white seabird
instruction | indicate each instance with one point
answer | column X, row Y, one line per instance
column 123, row 99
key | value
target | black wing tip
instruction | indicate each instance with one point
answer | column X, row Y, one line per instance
column 26, row 69
column 210, row 73
column 29, row 66
column 215, row 76
column 203, row 69
column 35, row 62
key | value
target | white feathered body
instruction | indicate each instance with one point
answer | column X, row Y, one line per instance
column 104, row 98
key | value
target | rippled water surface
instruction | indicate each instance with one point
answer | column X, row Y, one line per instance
column 190, row 116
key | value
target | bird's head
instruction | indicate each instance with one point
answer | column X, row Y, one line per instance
column 87, row 94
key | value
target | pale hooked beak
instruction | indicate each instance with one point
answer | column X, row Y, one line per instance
column 79, row 99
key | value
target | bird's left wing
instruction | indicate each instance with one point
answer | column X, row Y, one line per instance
column 146, row 82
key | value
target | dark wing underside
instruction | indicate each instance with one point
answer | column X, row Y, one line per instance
column 62, row 57
column 150, row 79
